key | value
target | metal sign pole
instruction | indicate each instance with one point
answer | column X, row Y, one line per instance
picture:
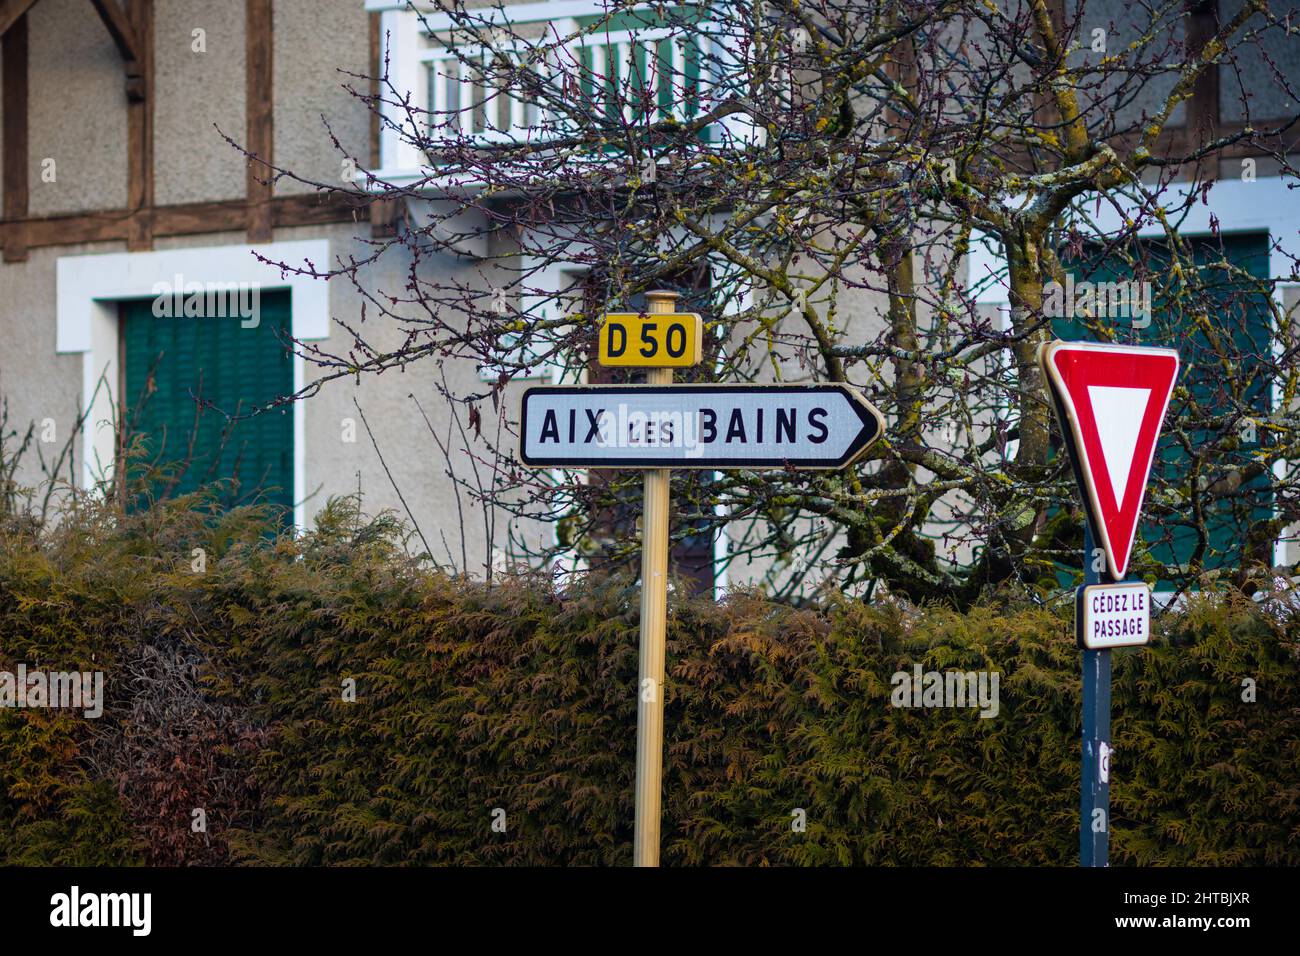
column 1094, row 804
column 1135, row 384
column 654, row 627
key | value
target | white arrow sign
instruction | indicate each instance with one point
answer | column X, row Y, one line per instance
column 695, row 426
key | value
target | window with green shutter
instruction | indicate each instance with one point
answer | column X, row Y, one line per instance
column 1238, row 324
column 184, row 375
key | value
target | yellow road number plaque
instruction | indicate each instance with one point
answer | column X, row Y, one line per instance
column 630, row 339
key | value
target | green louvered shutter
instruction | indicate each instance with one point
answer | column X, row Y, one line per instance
column 169, row 361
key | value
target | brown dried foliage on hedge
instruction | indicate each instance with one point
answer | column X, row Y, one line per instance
column 225, row 693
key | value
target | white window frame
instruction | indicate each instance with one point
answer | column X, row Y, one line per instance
column 90, row 287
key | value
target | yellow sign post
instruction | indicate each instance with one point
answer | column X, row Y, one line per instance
column 657, row 426
column 654, row 589
column 652, row 339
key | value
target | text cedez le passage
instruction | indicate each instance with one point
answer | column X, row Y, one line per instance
column 1119, row 613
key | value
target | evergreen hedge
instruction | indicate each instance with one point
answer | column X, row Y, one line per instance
column 225, row 692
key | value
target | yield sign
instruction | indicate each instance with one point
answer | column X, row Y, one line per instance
column 1111, row 400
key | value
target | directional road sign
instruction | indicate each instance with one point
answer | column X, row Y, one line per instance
column 696, row 426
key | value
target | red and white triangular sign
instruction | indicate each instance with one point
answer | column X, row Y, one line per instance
column 1111, row 400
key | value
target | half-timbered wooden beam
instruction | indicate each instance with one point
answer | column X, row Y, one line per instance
column 259, row 118
column 383, row 212
column 188, row 219
column 11, row 11
column 139, row 127
column 1203, row 106
column 119, row 28
column 15, row 159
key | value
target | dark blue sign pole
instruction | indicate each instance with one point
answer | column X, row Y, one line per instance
column 1094, row 804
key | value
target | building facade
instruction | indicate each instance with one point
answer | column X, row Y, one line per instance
column 128, row 200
